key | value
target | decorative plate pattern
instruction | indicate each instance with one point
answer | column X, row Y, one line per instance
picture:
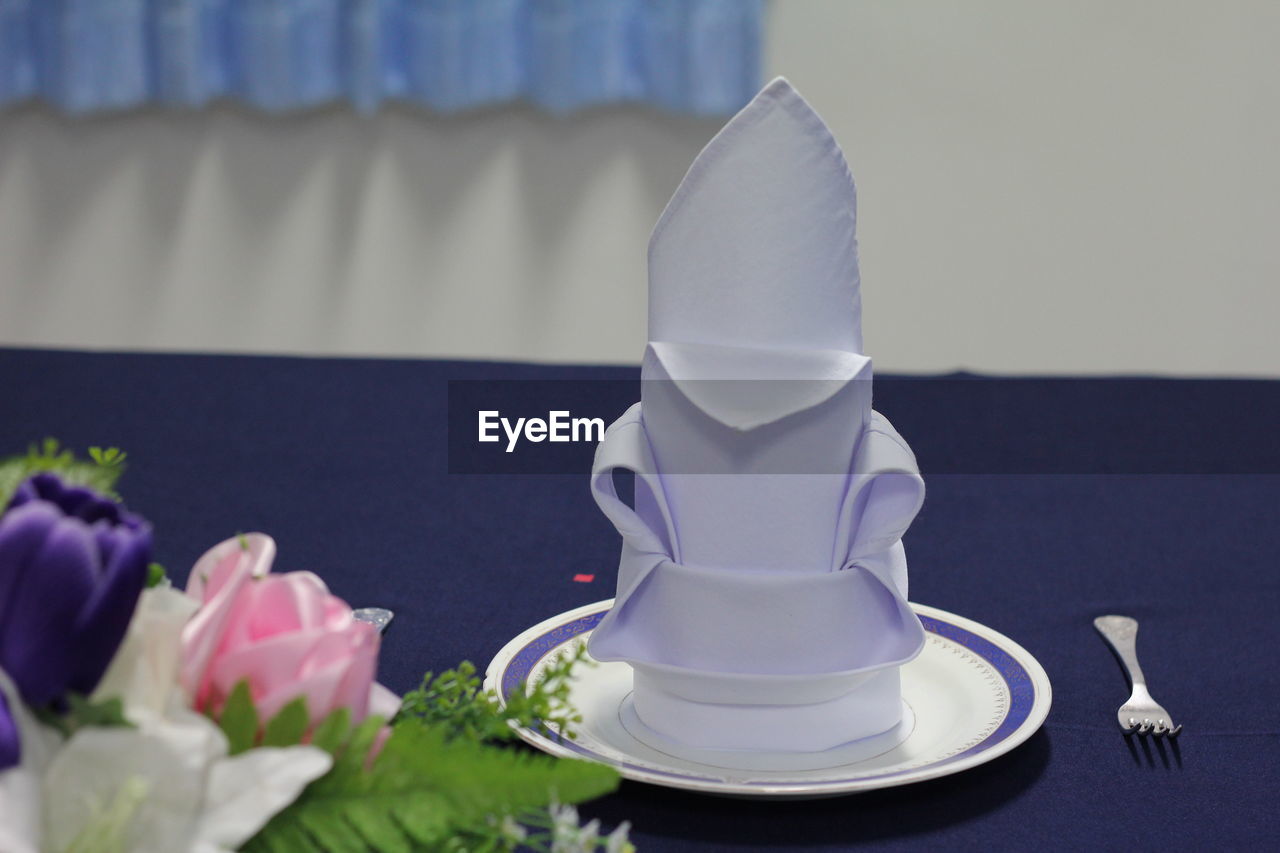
column 975, row 693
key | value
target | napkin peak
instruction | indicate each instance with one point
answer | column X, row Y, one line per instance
column 757, row 246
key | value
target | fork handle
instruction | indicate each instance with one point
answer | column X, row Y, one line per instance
column 1122, row 634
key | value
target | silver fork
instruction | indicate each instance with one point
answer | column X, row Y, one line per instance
column 1141, row 713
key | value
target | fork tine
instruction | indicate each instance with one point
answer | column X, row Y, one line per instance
column 1173, row 732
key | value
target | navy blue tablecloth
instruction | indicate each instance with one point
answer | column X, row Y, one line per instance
column 1050, row 502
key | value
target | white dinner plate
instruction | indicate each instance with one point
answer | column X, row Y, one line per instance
column 974, row 694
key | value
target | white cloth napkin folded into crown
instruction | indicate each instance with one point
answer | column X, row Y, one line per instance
column 762, row 585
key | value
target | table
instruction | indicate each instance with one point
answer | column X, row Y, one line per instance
column 1050, row 501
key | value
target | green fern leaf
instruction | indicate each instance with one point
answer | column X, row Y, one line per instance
column 289, row 726
column 292, row 839
column 239, row 720
column 80, row 712
column 99, row 473
column 350, row 762
column 338, row 835
column 424, row 790
column 332, row 732
column 455, row 700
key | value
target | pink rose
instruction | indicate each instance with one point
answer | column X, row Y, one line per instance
column 286, row 634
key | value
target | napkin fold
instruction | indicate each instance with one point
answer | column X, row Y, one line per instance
column 762, row 583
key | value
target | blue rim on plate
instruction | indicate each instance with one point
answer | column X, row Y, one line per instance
column 1025, row 698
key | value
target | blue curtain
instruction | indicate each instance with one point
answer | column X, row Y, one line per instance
column 695, row 56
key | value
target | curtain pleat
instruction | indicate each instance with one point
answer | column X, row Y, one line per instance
column 695, row 56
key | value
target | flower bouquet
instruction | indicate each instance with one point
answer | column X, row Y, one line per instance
column 242, row 713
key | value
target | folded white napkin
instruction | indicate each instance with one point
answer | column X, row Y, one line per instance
column 762, row 586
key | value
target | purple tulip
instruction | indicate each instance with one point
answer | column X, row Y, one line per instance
column 72, row 565
column 10, row 744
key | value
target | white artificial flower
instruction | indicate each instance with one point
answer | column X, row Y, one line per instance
column 195, row 799
column 144, row 671
column 246, row 791
column 20, row 785
column 568, row 837
column 166, row 785
column 618, row 842
column 564, row 828
column 512, row 830
column 588, row 835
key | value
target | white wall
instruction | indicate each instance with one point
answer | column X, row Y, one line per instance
column 1062, row 187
